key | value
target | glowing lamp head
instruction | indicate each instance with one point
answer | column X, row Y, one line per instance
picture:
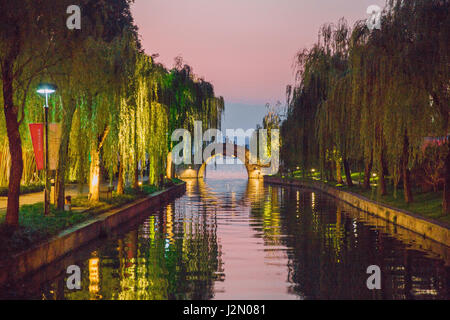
column 46, row 89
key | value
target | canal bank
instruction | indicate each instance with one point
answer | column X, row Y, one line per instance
column 243, row 239
column 434, row 230
column 27, row 262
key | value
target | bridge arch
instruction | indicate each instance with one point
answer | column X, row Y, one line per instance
column 224, row 150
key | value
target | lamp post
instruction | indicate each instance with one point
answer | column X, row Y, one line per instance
column 46, row 89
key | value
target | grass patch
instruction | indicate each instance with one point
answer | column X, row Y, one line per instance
column 35, row 227
column 149, row 189
column 177, row 181
column 426, row 204
column 356, row 176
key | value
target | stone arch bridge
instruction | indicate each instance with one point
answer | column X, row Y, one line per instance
column 254, row 171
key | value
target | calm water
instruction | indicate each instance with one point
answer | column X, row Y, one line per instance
column 239, row 239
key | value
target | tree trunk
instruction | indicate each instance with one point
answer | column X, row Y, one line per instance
column 405, row 171
column 381, row 181
column 367, row 171
column 446, row 200
column 94, row 177
column 120, row 181
column 136, row 161
column 322, row 170
column 348, row 176
column 15, row 150
column 441, row 100
column 338, row 172
column 69, row 109
column 94, row 185
column 331, row 170
column 15, row 142
column 136, row 176
column 169, row 165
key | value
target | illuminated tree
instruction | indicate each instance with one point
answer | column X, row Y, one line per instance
column 26, row 50
column 372, row 97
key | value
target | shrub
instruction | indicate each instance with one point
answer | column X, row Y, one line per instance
column 23, row 189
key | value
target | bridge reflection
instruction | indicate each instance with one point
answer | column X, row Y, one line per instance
column 207, row 190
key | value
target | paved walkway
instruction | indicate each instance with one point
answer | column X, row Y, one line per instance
column 32, row 198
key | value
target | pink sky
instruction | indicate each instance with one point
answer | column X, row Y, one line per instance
column 244, row 47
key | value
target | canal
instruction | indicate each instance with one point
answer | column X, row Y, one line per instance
column 241, row 239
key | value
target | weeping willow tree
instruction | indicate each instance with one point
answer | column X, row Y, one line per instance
column 290, row 132
column 306, row 98
column 270, row 121
column 425, row 47
column 188, row 98
column 310, row 113
column 99, row 107
column 129, row 112
column 30, row 174
column 396, row 111
column 45, row 50
column 371, row 97
column 153, row 103
column 27, row 48
column 337, row 128
column 82, row 68
column 116, row 106
column 362, row 84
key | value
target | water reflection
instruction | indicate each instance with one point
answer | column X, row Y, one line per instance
column 332, row 249
column 239, row 239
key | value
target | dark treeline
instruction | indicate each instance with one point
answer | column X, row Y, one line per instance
column 375, row 101
column 116, row 105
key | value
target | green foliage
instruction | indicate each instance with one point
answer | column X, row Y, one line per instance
column 113, row 101
column 35, row 227
column 177, row 181
column 426, row 204
column 24, row 189
column 371, row 97
column 149, row 189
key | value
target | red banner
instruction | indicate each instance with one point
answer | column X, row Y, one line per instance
column 37, row 137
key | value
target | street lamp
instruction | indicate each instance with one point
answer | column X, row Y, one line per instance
column 46, row 89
